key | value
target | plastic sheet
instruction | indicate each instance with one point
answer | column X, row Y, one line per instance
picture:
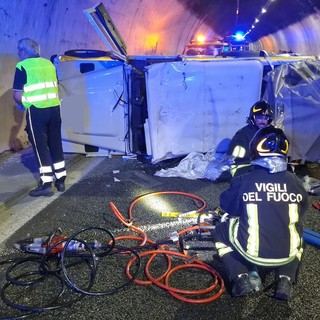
column 199, row 166
column 274, row 164
column 311, row 185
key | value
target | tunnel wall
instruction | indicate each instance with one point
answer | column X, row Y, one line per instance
column 301, row 38
column 148, row 27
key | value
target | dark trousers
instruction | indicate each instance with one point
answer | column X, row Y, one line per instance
column 236, row 264
column 44, row 133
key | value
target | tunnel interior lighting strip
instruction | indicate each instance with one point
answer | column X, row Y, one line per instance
column 263, row 11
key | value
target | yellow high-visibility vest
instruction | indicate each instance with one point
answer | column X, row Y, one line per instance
column 41, row 89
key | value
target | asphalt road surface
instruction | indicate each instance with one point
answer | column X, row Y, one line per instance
column 85, row 205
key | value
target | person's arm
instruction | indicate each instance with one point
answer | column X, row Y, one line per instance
column 20, row 78
column 17, row 96
column 239, row 146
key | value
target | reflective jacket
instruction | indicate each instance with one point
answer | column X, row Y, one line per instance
column 41, row 88
column 239, row 149
column 266, row 209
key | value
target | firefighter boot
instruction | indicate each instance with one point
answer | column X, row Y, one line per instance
column 284, row 288
column 241, row 286
column 59, row 184
column 255, row 281
column 42, row 190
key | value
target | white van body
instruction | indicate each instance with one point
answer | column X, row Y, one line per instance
column 158, row 107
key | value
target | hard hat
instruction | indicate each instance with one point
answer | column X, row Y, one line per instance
column 269, row 142
column 261, row 107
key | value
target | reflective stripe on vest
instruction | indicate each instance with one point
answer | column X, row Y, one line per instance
column 222, row 248
column 41, row 97
column 238, row 152
column 235, row 167
column 233, row 232
column 253, row 241
column 295, row 240
column 39, row 86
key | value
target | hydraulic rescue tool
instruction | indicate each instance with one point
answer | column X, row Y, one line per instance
column 54, row 243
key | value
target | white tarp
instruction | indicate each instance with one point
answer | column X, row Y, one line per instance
column 199, row 166
column 193, row 106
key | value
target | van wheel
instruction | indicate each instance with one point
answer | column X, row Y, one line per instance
column 86, row 53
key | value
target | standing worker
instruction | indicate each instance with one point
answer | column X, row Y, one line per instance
column 35, row 89
column 261, row 115
column 264, row 228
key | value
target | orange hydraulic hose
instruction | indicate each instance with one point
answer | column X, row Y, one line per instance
column 177, row 293
column 204, row 205
column 144, row 282
column 181, row 291
column 197, row 227
column 119, row 215
column 133, row 238
column 190, row 265
column 209, row 289
column 128, row 223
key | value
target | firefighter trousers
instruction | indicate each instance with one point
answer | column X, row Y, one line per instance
column 236, row 264
column 44, row 133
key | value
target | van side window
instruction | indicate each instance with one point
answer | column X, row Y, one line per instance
column 86, row 67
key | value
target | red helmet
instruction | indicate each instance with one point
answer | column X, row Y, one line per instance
column 269, row 142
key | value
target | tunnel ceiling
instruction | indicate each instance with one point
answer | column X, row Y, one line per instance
column 221, row 14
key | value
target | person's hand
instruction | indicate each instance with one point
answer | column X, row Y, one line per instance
column 20, row 107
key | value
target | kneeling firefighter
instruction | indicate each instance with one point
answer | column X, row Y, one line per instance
column 264, row 228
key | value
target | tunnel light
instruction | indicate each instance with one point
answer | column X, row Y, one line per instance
column 201, row 38
column 263, row 10
column 151, row 41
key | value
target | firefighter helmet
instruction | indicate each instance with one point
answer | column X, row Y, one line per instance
column 261, row 107
column 269, row 142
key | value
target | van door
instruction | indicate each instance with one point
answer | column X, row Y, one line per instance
column 94, row 92
column 102, row 22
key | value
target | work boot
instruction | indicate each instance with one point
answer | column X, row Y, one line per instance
column 44, row 190
column 59, row 184
column 241, row 286
column 284, row 289
column 255, row 281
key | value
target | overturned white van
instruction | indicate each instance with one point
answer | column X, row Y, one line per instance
column 163, row 107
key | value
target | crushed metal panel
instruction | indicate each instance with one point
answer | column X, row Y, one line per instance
column 294, row 90
column 196, row 105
